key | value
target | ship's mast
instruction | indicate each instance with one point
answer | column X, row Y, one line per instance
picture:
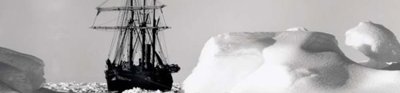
column 130, row 23
column 137, row 28
column 143, row 32
column 154, row 33
column 137, row 41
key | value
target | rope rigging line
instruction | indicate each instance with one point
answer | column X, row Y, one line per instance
column 165, row 56
column 94, row 22
column 115, row 36
column 119, row 50
column 118, row 47
column 162, row 14
column 104, row 2
column 112, row 45
column 135, row 45
column 126, row 45
column 121, row 46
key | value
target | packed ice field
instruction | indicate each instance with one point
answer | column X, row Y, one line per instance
column 95, row 87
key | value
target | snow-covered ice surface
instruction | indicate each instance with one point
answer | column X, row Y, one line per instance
column 297, row 29
column 93, row 87
column 75, row 87
column 175, row 89
column 376, row 42
column 283, row 62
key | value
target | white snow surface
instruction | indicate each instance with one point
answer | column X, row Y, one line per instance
column 297, row 29
column 376, row 42
column 283, row 62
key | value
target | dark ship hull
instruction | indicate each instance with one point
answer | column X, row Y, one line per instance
column 143, row 76
column 144, row 79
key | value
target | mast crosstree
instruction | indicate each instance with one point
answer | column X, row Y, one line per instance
column 129, row 8
column 137, row 58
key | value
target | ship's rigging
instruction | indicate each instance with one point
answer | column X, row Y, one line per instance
column 136, row 58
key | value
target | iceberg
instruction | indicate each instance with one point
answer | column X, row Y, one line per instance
column 376, row 42
column 283, row 62
column 19, row 72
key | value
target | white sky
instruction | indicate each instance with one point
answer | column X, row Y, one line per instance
column 57, row 31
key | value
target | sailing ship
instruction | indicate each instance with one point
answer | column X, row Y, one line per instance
column 136, row 57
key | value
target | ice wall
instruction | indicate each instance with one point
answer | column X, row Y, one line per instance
column 227, row 59
column 20, row 73
column 283, row 62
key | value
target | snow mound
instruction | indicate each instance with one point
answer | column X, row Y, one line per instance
column 283, row 62
column 376, row 42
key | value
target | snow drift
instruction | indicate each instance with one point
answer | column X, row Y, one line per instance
column 283, row 62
